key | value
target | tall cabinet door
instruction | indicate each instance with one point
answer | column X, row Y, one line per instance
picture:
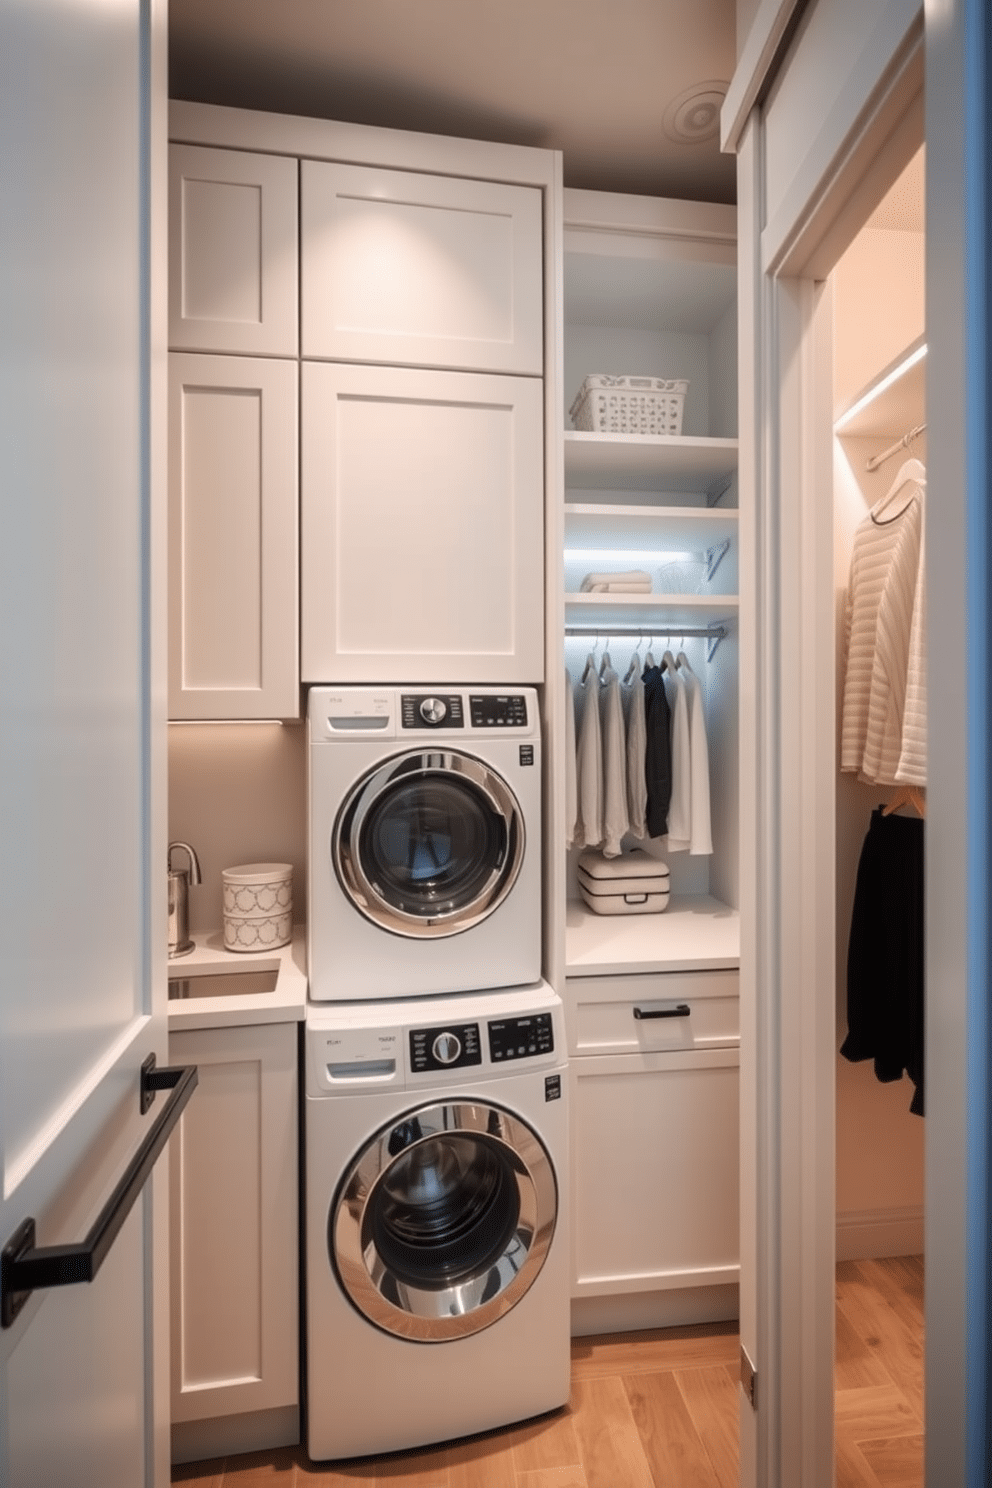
column 418, row 270
column 233, row 251
column 422, row 513
column 232, row 538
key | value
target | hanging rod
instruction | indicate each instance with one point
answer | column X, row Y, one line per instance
column 712, row 633
column 900, row 444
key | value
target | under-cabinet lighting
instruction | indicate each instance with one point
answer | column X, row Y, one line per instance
column 227, row 722
column 899, row 370
column 625, row 555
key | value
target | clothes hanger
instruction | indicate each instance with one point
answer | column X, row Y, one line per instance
column 668, row 661
column 907, row 795
column 590, row 665
column 682, row 661
column 606, row 663
column 634, row 665
column 649, row 660
column 910, row 472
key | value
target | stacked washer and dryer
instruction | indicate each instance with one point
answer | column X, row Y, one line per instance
column 435, row 1122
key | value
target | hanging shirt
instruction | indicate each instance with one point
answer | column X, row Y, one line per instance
column 884, row 619
column 614, row 762
column 657, row 752
column 700, row 836
column 632, row 695
column 589, row 763
column 680, row 809
column 912, row 767
column 571, row 785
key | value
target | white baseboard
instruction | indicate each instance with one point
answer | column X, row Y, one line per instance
column 678, row 1307
column 222, row 1436
column 871, row 1234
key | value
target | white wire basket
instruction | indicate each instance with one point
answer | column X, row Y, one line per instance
column 682, row 576
column 629, row 405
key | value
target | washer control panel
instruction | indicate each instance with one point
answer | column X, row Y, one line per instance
column 498, row 710
column 445, row 1048
column 431, row 710
column 520, row 1038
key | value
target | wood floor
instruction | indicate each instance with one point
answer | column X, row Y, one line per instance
column 659, row 1410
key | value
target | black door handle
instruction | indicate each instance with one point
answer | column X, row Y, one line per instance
column 25, row 1266
column 682, row 1011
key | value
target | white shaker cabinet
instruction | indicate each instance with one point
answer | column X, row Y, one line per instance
column 234, row 1275
column 233, row 525
column 233, row 252
column 420, row 270
column 654, row 1070
column 422, row 526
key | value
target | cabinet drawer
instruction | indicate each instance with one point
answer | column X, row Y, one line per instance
column 666, row 1010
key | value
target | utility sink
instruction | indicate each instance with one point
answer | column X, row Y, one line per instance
column 223, row 984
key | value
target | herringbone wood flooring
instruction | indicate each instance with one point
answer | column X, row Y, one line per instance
column 659, row 1410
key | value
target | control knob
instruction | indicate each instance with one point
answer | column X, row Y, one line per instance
column 433, row 709
column 447, row 1047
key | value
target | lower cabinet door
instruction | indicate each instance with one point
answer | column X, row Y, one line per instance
column 235, row 1303
column 655, row 1171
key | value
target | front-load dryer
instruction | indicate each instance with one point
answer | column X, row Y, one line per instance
column 424, row 841
column 437, row 1279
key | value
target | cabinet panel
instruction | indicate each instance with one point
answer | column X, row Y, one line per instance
column 233, row 252
column 631, row 1014
column 420, row 270
column 655, row 1187
column 422, row 552
column 234, row 1225
column 233, row 650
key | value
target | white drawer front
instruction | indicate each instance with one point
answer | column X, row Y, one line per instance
column 653, row 1013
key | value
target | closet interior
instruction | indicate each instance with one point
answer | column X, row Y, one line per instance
column 879, row 457
column 650, row 292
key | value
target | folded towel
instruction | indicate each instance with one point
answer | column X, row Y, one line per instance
column 599, row 583
column 618, row 589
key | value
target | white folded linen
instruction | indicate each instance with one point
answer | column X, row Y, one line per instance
column 634, row 581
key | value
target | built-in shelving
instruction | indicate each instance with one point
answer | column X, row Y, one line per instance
column 695, row 933
column 649, row 462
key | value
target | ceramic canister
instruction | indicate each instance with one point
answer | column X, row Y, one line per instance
column 258, row 906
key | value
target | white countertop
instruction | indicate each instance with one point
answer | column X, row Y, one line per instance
column 695, row 933
column 286, row 1004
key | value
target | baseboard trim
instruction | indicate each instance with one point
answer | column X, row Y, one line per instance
column 871, row 1234
column 223, row 1436
column 629, row 1312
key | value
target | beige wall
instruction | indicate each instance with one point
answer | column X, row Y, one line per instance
column 237, row 794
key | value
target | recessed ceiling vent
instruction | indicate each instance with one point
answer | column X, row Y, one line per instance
column 694, row 116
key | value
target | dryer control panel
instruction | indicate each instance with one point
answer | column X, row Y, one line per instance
column 521, row 1038
column 444, row 1048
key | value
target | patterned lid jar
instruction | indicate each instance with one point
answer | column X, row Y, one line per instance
column 258, row 906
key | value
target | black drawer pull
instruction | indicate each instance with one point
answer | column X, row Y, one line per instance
column 682, row 1011
column 25, row 1266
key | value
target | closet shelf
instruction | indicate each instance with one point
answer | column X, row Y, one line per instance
column 600, row 525
column 649, row 462
column 662, row 612
column 695, row 933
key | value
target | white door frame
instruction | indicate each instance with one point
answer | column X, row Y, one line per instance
column 788, row 732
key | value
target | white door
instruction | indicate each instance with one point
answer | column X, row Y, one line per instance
column 82, row 873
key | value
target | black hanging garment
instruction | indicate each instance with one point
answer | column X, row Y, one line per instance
column 657, row 752
column 885, row 980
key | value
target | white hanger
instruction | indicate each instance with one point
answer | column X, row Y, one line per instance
column 683, row 661
column 634, row 665
column 668, row 662
column 590, row 665
column 911, row 472
column 606, row 664
column 649, row 660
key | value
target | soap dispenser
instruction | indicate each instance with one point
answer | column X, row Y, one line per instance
column 180, row 879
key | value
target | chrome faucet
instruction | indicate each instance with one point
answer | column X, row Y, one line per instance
column 179, row 883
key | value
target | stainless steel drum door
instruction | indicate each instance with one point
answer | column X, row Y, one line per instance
column 444, row 1220
column 429, row 843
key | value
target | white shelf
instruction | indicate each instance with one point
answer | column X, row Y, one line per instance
column 695, row 932
column 648, row 462
column 607, row 527
column 663, row 612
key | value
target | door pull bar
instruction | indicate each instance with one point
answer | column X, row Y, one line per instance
column 682, row 1011
column 25, row 1266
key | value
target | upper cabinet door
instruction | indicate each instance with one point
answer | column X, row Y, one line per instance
column 415, row 270
column 422, row 526
column 233, row 252
column 233, row 607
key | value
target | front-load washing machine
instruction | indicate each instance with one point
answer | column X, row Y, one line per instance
column 437, row 1277
column 424, row 841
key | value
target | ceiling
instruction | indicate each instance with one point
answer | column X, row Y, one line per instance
column 629, row 90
